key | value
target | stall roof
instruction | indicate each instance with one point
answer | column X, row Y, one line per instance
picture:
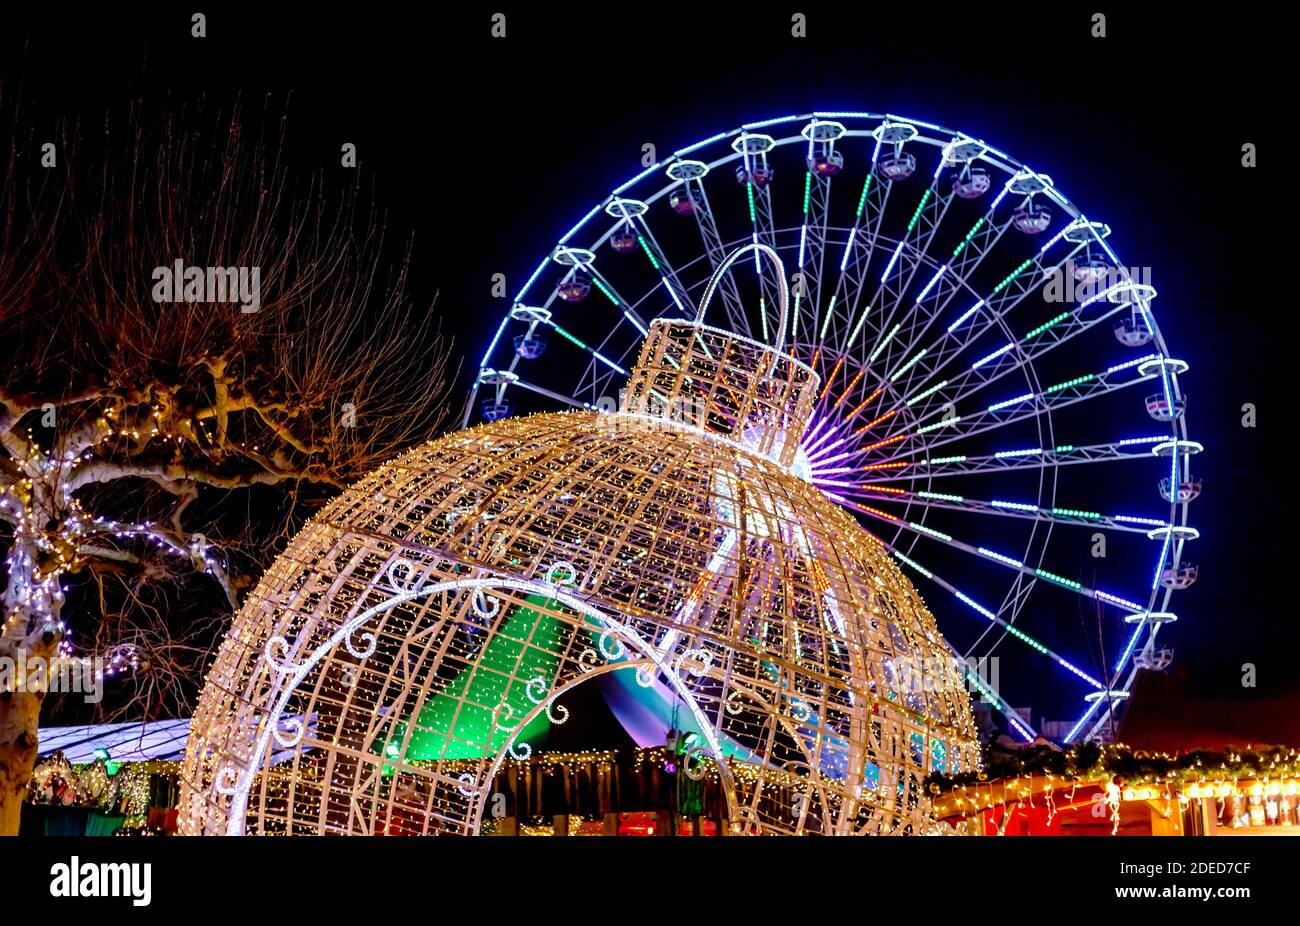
column 157, row 740
column 125, row 742
column 1163, row 715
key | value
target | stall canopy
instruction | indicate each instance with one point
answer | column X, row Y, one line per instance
column 157, row 740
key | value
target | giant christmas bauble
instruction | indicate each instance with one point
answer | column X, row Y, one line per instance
column 431, row 619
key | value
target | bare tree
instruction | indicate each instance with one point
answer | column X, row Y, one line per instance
column 124, row 421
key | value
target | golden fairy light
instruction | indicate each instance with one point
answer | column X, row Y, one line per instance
column 430, row 620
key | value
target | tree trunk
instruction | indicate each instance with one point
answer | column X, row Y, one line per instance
column 19, row 716
column 29, row 642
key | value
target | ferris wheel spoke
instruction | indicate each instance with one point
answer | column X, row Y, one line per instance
column 953, row 427
column 469, row 405
column 691, row 173
column 755, row 175
column 1015, row 357
column 600, row 366
column 1024, row 458
column 909, row 256
column 969, row 327
column 948, row 283
column 1002, row 508
column 822, row 163
column 1030, row 405
column 855, row 263
column 608, row 290
column 1016, row 353
column 806, row 288
column 551, row 394
column 1010, row 292
column 987, row 555
column 906, row 326
column 667, row 275
column 1010, row 628
column 990, row 694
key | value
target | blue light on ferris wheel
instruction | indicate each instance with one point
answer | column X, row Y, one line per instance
column 881, row 425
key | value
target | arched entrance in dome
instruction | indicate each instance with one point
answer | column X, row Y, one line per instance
column 416, row 739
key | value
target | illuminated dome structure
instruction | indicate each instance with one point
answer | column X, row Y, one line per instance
column 432, row 618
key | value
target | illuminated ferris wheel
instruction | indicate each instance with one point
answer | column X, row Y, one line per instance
column 997, row 405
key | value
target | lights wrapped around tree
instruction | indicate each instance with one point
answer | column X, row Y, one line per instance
column 426, row 625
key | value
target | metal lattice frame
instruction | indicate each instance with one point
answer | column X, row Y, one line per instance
column 920, row 306
column 400, row 649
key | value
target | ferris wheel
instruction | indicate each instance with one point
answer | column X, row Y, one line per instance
column 997, row 403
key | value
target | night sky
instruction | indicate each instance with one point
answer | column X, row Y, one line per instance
column 487, row 151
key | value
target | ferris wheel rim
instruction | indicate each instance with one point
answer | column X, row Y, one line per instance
column 749, row 141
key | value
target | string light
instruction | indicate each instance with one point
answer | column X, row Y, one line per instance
column 421, row 634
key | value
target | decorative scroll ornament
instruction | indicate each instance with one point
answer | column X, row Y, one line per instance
column 504, row 710
column 695, row 661
column 536, row 689
column 485, row 605
column 367, row 646
column 562, row 573
column 226, row 780
column 404, row 575
column 611, row 647
column 693, row 762
column 588, row 660
column 278, row 654
column 289, row 732
column 552, row 707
